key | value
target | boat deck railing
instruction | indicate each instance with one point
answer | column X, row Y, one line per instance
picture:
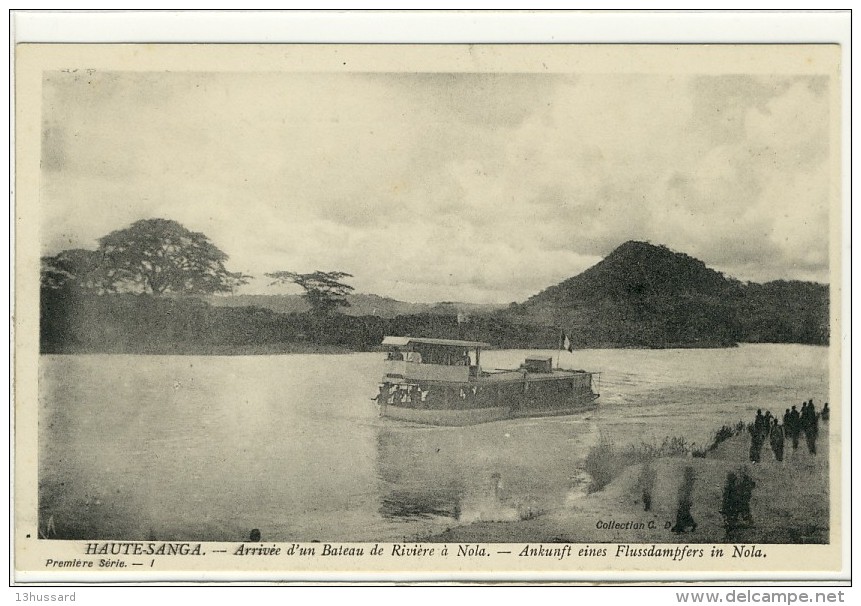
column 410, row 370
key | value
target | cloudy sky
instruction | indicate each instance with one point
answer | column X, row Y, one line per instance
column 430, row 187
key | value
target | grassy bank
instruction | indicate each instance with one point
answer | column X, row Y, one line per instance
column 789, row 502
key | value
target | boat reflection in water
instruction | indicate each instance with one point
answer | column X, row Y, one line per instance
column 487, row 472
column 419, row 504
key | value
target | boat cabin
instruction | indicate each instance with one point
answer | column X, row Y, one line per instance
column 543, row 364
column 433, row 359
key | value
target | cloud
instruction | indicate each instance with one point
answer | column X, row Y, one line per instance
column 771, row 191
column 475, row 187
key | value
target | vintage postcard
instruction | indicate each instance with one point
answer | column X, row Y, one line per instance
column 476, row 312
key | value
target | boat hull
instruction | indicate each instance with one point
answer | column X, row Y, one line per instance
column 449, row 418
column 462, row 418
column 471, row 403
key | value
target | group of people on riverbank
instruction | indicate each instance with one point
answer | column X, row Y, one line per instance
column 768, row 428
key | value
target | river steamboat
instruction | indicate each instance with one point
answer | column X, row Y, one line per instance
column 441, row 382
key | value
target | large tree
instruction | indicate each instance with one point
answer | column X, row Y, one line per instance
column 79, row 269
column 324, row 290
column 161, row 256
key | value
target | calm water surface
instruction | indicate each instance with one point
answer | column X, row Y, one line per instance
column 207, row 448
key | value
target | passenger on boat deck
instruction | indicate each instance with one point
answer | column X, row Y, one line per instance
column 414, row 356
column 396, row 355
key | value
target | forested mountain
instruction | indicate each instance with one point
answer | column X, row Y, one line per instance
column 649, row 296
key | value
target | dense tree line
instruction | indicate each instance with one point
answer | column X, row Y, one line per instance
column 82, row 322
column 127, row 323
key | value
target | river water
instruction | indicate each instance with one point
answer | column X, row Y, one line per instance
column 210, row 447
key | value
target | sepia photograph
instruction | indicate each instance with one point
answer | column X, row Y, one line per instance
column 564, row 307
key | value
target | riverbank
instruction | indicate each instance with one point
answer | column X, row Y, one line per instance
column 789, row 503
column 267, row 349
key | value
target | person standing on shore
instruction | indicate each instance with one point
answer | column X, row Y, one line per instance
column 777, row 441
column 745, row 491
column 759, row 422
column 810, row 425
column 729, row 503
column 735, row 505
column 684, row 519
column 757, row 436
column 795, row 427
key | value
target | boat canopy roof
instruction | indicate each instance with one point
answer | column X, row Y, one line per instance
column 404, row 341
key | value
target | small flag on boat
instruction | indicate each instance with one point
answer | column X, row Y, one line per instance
column 566, row 342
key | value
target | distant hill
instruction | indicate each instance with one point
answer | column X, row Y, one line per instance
column 360, row 305
column 643, row 295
